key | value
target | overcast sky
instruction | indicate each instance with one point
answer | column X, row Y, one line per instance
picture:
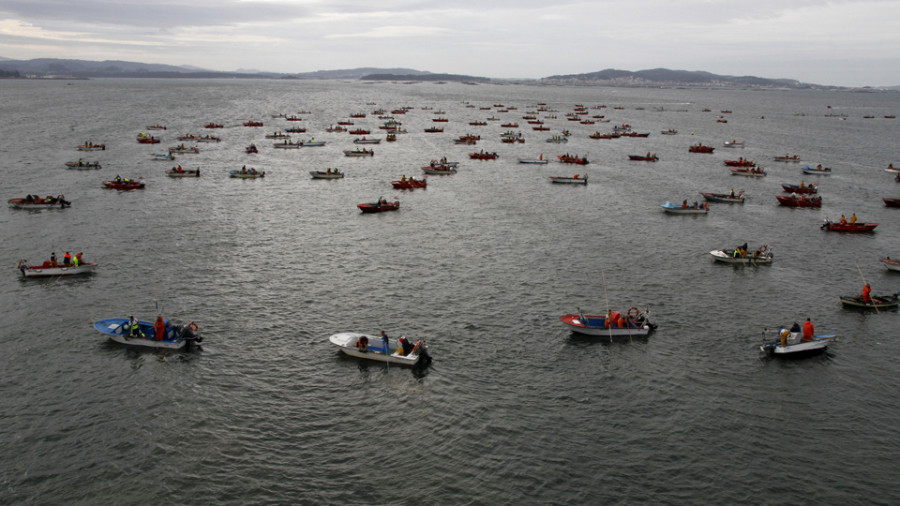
column 836, row 42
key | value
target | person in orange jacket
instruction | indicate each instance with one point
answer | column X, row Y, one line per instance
column 160, row 328
column 867, row 294
column 808, row 330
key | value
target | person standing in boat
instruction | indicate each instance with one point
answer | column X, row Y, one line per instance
column 386, row 342
column 53, row 262
column 867, row 293
column 67, row 259
column 134, row 328
column 159, row 328
column 808, row 330
column 853, row 218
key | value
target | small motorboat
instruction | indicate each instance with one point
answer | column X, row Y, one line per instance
column 575, row 159
column 700, row 148
column 163, row 157
column 326, row 174
column 848, row 227
column 787, row 158
column 273, row 135
column 891, row 264
column 891, row 168
column 876, row 302
column 891, row 202
column 799, row 200
column 481, row 155
column 182, row 149
column 790, row 344
column 685, row 209
column 670, row 131
column 251, row 149
column 180, row 172
column 801, row 188
column 366, row 141
column 819, row 170
column 370, row 347
column 90, row 146
column 633, row 323
column 726, row 198
column 359, row 131
column 534, row 161
column 312, row 143
column 82, row 165
column 246, row 173
column 253, row 123
column 740, row 162
column 748, row 171
column 155, row 127
column 644, row 158
column 439, row 170
column 359, row 152
column 213, row 125
column 735, row 144
column 287, row 144
column 36, row 202
column 147, row 139
column 47, row 269
column 762, row 256
column 380, row 206
column 121, row 183
column 176, row 336
column 410, row 183
column 576, row 179
column 557, row 139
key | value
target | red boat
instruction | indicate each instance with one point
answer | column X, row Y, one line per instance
column 636, row 134
column 213, row 125
column 510, row 125
column 379, row 207
column 891, row 202
column 124, row 184
column 410, row 184
column 251, row 149
column 573, row 159
column 360, row 131
column 483, row 156
column 540, row 128
column 799, row 200
column 147, row 140
column 700, row 148
column 848, row 227
column 643, row 158
column 740, row 162
column 253, row 123
column 801, row 188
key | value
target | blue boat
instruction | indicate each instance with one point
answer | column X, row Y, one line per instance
column 818, row 170
column 176, row 336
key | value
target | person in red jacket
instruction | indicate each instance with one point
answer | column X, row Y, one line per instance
column 160, row 328
column 867, row 294
column 808, row 330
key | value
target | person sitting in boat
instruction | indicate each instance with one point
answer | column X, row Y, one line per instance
column 808, row 331
column 53, row 260
column 819, row 167
column 78, row 258
column 159, row 328
column 732, row 192
column 867, row 294
column 795, row 327
column 244, row 169
column 403, row 178
column 853, row 218
column 362, row 344
column 696, row 205
column 29, row 198
column 76, row 261
column 179, row 169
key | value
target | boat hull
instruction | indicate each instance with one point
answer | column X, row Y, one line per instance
column 569, row 180
column 375, row 207
column 346, row 341
column 724, row 198
column 878, row 303
column 25, row 204
column 117, row 330
column 674, row 209
column 318, row 174
column 891, row 264
column 39, row 271
column 849, row 227
column 726, row 256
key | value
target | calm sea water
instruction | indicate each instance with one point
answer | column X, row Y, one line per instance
column 515, row 409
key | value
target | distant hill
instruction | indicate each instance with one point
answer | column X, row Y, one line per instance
column 47, row 67
column 423, row 77
column 666, row 77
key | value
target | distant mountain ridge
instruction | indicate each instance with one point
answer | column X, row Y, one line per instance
column 86, row 69
column 660, row 76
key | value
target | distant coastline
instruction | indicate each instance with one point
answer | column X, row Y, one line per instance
column 52, row 68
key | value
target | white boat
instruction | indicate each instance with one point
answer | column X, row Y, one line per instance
column 326, row 174
column 312, row 143
column 535, row 161
column 891, row 264
column 633, row 323
column 675, row 209
column 366, row 141
column 182, row 149
column 792, row 345
column 762, row 256
column 46, row 269
column 372, row 348
column 161, row 157
column 438, row 170
column 287, row 145
column 576, row 179
column 735, row 144
column 176, row 336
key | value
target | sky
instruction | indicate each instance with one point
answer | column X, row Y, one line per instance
column 829, row 42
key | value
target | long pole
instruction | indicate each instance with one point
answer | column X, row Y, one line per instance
column 874, row 304
column 606, row 296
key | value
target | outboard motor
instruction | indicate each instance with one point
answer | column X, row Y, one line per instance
column 423, row 353
column 190, row 337
column 769, row 348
